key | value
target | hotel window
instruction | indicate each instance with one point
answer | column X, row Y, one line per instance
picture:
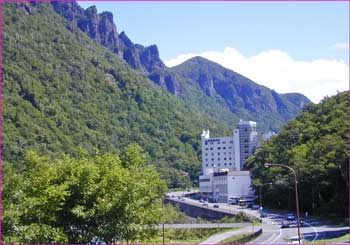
column 219, row 148
column 212, row 159
column 218, row 153
column 206, row 149
column 224, row 148
column 206, row 159
column 219, row 159
column 230, row 163
column 219, row 164
column 224, row 142
column 225, row 158
column 206, row 165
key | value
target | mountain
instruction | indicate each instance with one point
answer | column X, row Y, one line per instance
column 64, row 93
column 221, row 93
column 103, row 30
column 71, row 88
column 240, row 95
column 315, row 145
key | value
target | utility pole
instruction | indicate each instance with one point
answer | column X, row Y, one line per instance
column 296, row 192
column 163, row 221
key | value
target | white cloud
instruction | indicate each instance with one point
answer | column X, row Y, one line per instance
column 340, row 46
column 277, row 70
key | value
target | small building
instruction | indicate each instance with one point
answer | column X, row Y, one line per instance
column 231, row 185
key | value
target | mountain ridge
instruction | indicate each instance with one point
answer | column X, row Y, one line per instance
column 235, row 98
column 239, row 93
column 101, row 28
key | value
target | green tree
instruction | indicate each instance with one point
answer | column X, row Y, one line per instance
column 315, row 145
column 84, row 200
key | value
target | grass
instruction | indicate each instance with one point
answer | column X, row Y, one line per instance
column 185, row 236
column 333, row 240
column 233, row 238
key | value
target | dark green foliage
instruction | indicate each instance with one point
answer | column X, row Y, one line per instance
column 315, row 145
column 63, row 92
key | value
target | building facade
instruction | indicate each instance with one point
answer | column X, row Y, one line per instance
column 223, row 160
column 248, row 140
column 219, row 153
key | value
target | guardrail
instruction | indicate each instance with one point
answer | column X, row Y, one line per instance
column 202, row 225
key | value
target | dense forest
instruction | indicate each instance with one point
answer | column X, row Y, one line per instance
column 62, row 91
column 315, row 146
column 73, row 111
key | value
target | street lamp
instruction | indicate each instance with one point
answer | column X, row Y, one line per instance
column 260, row 192
column 296, row 191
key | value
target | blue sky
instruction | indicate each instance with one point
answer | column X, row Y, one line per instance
column 303, row 31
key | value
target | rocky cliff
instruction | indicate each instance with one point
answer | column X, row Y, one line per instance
column 103, row 30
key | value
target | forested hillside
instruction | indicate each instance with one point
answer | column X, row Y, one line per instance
column 315, row 145
column 238, row 95
column 62, row 91
column 201, row 84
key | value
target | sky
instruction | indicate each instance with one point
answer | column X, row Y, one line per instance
column 286, row 46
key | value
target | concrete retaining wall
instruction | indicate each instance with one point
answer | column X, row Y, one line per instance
column 198, row 211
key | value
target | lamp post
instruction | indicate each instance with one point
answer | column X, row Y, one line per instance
column 296, row 191
column 260, row 192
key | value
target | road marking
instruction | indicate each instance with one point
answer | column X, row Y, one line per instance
column 266, row 241
column 313, row 229
column 277, row 237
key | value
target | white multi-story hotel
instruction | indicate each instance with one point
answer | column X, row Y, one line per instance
column 220, row 153
column 223, row 161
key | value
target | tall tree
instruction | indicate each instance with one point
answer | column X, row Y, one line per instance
column 83, row 200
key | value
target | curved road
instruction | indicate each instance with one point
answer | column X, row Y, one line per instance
column 272, row 233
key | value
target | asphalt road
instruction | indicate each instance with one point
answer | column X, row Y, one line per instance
column 272, row 231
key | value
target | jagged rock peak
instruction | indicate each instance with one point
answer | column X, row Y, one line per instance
column 102, row 29
column 126, row 40
column 91, row 10
column 108, row 15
